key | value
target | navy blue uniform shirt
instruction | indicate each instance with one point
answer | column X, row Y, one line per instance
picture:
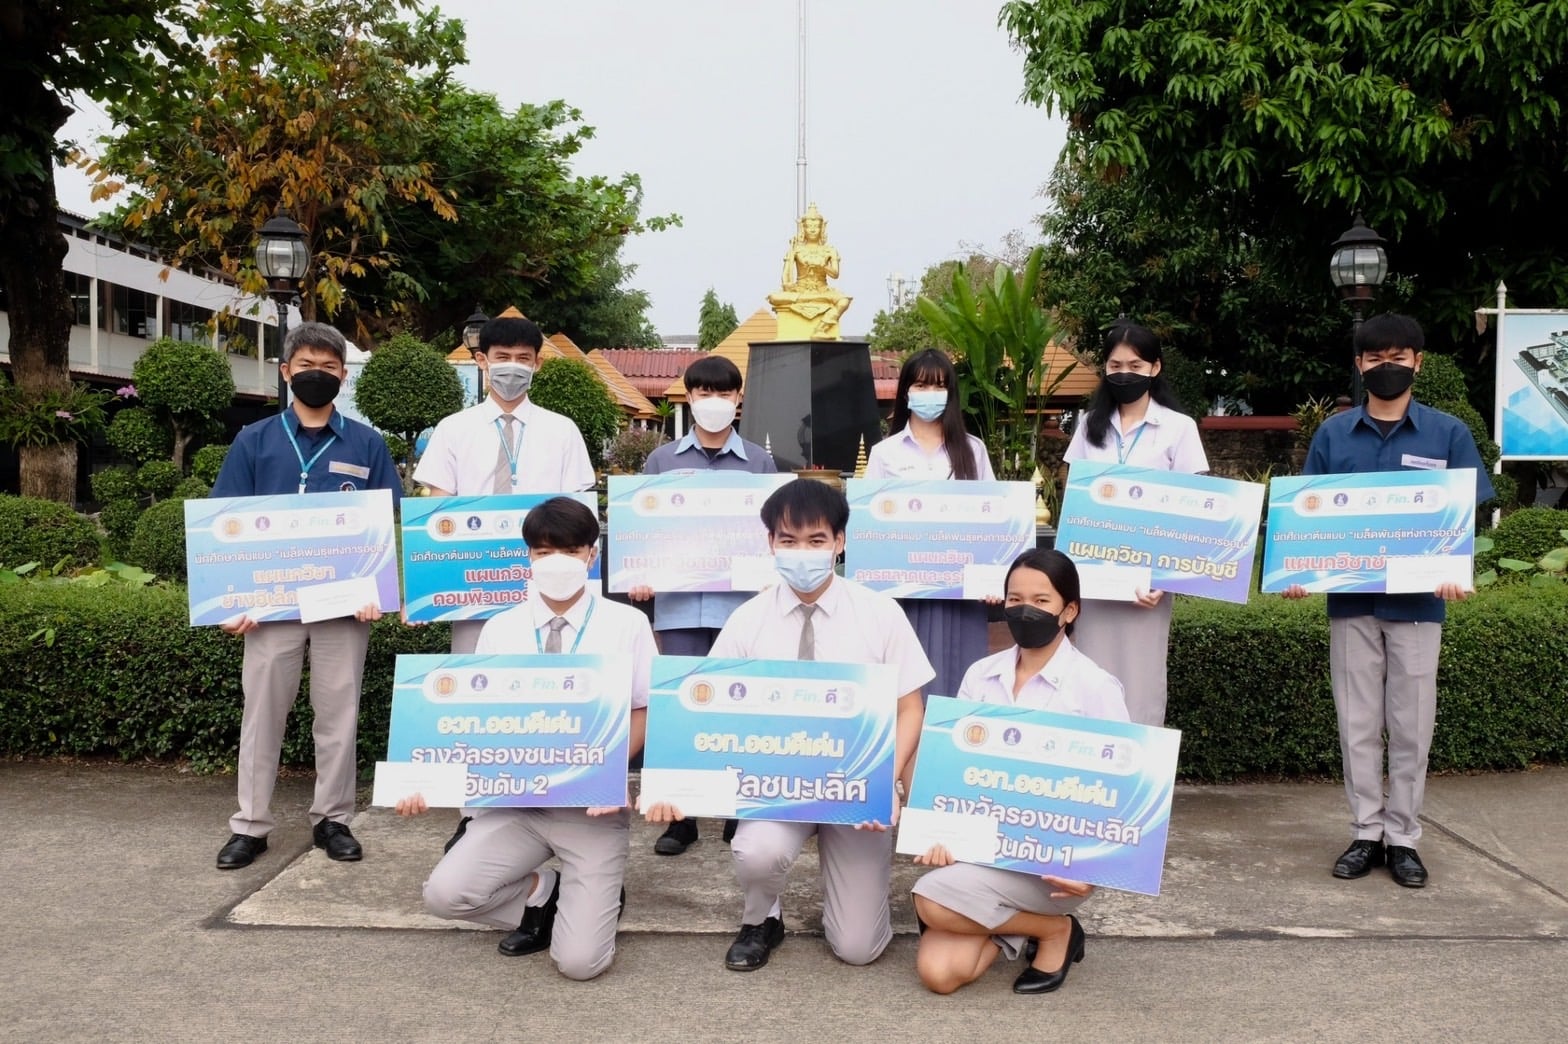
column 263, row 461
column 1351, row 442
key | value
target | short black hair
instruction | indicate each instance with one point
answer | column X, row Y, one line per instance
column 804, row 503
column 1389, row 330
column 319, row 336
column 508, row 332
column 561, row 524
column 1058, row 568
column 713, row 373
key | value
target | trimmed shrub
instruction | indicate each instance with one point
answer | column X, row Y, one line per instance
column 137, row 435
column 207, row 462
column 1440, row 380
column 158, row 543
column 43, row 531
column 113, row 484
column 630, row 449
column 1527, row 534
column 191, row 488
column 118, row 519
column 157, row 478
column 574, row 388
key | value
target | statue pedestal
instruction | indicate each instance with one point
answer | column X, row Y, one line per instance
column 811, row 401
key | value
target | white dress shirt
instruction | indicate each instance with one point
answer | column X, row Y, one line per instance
column 900, row 456
column 1164, row 439
column 852, row 624
column 1069, row 683
column 463, row 450
column 605, row 628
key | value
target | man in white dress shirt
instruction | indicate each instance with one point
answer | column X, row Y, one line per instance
column 506, row 444
column 816, row 615
column 494, row 873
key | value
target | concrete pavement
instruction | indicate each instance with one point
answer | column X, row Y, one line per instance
column 117, row 927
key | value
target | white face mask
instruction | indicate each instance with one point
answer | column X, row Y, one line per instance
column 559, row 576
column 713, row 414
column 510, row 380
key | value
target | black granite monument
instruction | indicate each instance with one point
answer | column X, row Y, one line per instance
column 811, row 402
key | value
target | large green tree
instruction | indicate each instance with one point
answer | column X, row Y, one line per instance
column 111, row 50
column 715, row 320
column 1256, row 130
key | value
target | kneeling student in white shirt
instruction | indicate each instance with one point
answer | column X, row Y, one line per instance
column 494, row 872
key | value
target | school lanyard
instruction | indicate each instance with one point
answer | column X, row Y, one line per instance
column 304, row 465
column 1122, row 455
column 580, row 631
column 506, row 444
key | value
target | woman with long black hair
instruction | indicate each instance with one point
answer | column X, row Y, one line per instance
column 1134, row 418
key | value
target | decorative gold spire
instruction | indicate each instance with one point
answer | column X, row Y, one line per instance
column 860, row 459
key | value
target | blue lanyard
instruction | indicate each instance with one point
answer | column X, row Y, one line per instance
column 304, row 465
column 511, row 451
column 1122, row 455
column 539, row 644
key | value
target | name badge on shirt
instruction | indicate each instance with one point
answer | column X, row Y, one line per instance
column 338, row 467
column 1410, row 460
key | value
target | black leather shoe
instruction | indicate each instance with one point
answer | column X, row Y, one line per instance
column 1032, row 980
column 752, row 946
column 1359, row 859
column 1406, row 866
column 677, row 837
column 457, row 835
column 622, row 911
column 534, row 933
column 240, row 850
column 339, row 843
column 729, row 829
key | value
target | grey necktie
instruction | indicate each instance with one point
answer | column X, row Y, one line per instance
column 808, row 635
column 503, row 460
column 552, row 642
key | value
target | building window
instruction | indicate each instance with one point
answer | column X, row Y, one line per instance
column 132, row 312
column 187, row 322
column 80, row 287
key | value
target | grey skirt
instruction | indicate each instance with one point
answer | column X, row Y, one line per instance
column 990, row 897
column 1130, row 642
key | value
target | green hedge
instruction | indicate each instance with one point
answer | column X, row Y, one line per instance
column 42, row 531
column 1249, row 684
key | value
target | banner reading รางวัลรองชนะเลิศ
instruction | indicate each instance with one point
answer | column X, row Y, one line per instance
column 1042, row 793
column 294, row 556
column 797, row 741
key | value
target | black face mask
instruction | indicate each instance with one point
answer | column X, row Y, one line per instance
column 1388, row 380
column 1128, row 387
column 315, row 388
column 1032, row 628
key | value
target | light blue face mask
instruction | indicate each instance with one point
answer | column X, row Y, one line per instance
column 928, row 405
column 804, row 569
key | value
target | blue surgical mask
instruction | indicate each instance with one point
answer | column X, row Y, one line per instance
column 804, row 569
column 928, row 405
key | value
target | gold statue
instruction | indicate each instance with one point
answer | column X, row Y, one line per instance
column 807, row 308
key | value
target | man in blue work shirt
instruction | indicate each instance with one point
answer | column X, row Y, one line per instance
column 687, row 623
column 1383, row 648
column 308, row 448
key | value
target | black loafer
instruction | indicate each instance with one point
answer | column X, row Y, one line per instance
column 538, row 924
column 677, row 837
column 339, row 843
column 1032, row 980
column 754, row 944
column 240, row 850
column 1406, row 867
column 457, row 835
column 1359, row 859
column 729, row 829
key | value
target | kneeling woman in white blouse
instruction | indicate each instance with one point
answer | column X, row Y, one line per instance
column 972, row 914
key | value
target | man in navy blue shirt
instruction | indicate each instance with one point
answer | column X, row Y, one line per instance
column 308, row 448
column 1383, row 648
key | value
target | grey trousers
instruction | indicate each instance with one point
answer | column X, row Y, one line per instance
column 1384, row 674
column 857, row 867
column 274, row 657
column 486, row 878
column 465, row 635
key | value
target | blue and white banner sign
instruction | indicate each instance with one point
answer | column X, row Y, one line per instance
column 691, row 531
column 543, row 731
column 311, row 556
column 1395, row 532
column 796, row 741
column 1131, row 529
column 1043, row 793
column 464, row 557
column 936, row 538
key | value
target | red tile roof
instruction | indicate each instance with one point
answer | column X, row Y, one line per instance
column 652, row 369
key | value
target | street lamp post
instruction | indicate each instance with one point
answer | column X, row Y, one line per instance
column 471, row 327
column 1358, row 268
column 282, row 259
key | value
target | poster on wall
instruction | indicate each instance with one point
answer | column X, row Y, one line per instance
column 1532, row 385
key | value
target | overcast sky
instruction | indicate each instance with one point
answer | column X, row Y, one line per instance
column 916, row 140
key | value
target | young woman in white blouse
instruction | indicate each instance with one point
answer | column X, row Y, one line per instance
column 1135, row 419
column 969, row 914
column 929, row 441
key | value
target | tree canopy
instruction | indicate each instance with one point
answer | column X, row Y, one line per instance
column 406, row 387
column 715, row 321
column 1224, row 146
